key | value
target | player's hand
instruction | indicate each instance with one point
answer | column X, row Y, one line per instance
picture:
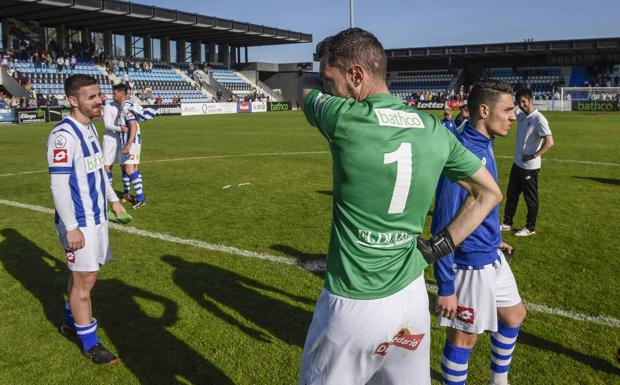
column 124, row 128
column 127, row 148
column 118, row 209
column 527, row 158
column 75, row 239
column 445, row 306
column 504, row 246
column 438, row 246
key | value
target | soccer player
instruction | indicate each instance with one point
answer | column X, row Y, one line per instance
column 447, row 120
column 477, row 290
column 462, row 116
column 533, row 140
column 112, row 142
column 371, row 323
column 80, row 189
column 130, row 141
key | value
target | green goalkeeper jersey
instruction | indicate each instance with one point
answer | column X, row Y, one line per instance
column 387, row 159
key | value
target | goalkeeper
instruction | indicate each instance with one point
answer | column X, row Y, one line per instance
column 371, row 323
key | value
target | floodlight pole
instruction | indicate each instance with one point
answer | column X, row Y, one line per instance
column 351, row 14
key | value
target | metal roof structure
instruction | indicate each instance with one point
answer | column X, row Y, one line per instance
column 518, row 49
column 139, row 19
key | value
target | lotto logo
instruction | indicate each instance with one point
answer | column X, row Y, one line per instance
column 465, row 314
column 60, row 156
column 70, row 255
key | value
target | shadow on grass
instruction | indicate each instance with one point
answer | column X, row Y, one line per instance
column 300, row 255
column 215, row 288
column 591, row 361
column 143, row 343
column 611, row 181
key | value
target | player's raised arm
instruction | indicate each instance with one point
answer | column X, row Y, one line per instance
column 305, row 84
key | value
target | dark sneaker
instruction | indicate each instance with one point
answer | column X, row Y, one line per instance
column 66, row 330
column 100, row 355
column 138, row 204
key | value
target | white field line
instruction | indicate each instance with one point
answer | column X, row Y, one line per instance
column 310, row 266
column 305, row 153
column 568, row 161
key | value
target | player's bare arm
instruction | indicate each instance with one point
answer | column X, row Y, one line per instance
column 547, row 143
column 133, row 129
column 484, row 195
column 305, row 84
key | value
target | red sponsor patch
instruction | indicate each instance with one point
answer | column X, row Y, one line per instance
column 465, row 314
column 70, row 255
column 61, row 155
column 403, row 339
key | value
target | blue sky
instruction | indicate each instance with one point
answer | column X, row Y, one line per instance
column 403, row 24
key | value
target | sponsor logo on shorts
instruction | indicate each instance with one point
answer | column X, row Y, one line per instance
column 404, row 339
column 465, row 314
column 397, row 118
column 61, row 155
column 70, row 255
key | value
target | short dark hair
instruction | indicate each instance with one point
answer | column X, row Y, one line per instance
column 121, row 87
column 75, row 82
column 524, row 91
column 486, row 92
column 354, row 46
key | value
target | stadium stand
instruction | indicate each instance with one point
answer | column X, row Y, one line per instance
column 164, row 82
column 229, row 79
column 404, row 84
column 542, row 81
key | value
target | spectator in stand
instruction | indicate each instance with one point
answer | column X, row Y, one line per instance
column 159, row 100
column 73, row 62
column 67, row 62
column 60, row 63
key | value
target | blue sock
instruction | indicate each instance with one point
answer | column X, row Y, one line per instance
column 110, row 177
column 502, row 346
column 126, row 184
column 69, row 316
column 88, row 334
column 136, row 181
column 454, row 364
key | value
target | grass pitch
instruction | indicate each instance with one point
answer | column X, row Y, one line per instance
column 262, row 183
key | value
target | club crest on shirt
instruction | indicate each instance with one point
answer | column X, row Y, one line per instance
column 60, row 141
column 70, row 255
column 60, row 155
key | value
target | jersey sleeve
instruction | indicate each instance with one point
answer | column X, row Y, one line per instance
column 461, row 163
column 127, row 113
column 110, row 114
column 322, row 111
column 543, row 127
column 61, row 147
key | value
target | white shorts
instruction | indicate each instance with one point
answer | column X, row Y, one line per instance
column 111, row 149
column 381, row 341
column 96, row 250
column 133, row 157
column 480, row 292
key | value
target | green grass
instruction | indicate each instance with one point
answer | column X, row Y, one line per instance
column 181, row 314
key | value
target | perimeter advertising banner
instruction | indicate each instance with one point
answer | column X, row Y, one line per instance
column 595, row 105
column 243, row 107
column 279, row 106
column 37, row 115
column 259, row 106
column 166, row 109
column 8, row 115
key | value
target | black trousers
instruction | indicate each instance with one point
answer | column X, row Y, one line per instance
column 526, row 182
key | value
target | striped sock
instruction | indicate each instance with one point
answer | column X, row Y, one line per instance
column 126, row 184
column 88, row 334
column 136, row 181
column 454, row 364
column 502, row 346
column 110, row 176
column 69, row 316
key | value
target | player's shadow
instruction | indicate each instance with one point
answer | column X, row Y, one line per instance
column 298, row 254
column 142, row 341
column 591, row 361
column 44, row 276
column 611, row 181
column 215, row 288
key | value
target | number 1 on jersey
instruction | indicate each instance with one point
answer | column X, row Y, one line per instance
column 402, row 157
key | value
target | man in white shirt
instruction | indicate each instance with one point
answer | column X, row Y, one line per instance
column 533, row 140
column 81, row 191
